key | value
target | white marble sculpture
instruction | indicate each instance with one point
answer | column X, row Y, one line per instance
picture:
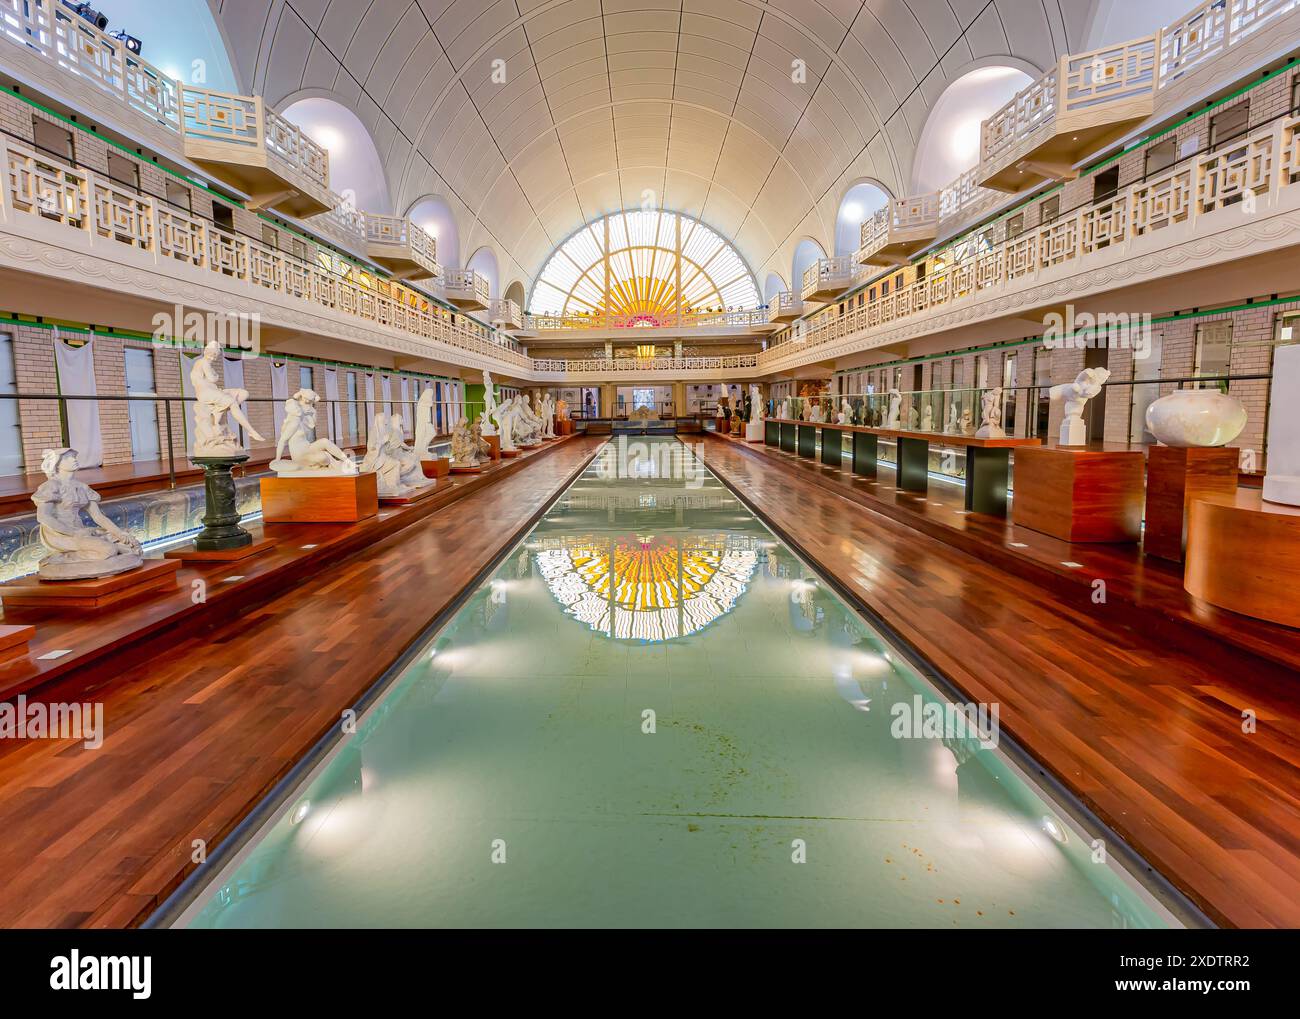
column 548, row 416
column 392, row 461
column 527, row 423
column 951, row 425
column 895, row 409
column 504, row 416
column 464, row 449
column 490, row 404
column 845, row 415
column 754, row 426
column 212, row 436
column 1076, row 395
column 927, row 418
column 1197, row 417
column 412, row 468
column 77, row 551
column 307, row 457
column 783, row 412
column 913, row 418
column 967, row 426
column 425, row 427
column 991, row 415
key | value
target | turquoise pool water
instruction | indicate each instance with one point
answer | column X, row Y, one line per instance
column 712, row 739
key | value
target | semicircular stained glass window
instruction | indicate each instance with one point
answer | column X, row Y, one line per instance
column 643, row 250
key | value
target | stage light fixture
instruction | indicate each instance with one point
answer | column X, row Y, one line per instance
column 129, row 41
column 97, row 18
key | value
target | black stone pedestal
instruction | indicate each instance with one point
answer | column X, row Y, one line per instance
column 913, row 470
column 987, row 471
column 832, row 446
column 865, row 451
column 221, row 530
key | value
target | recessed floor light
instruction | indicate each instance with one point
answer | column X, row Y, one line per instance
column 231, row 580
column 308, row 548
column 51, row 655
column 1071, row 565
column 1018, row 544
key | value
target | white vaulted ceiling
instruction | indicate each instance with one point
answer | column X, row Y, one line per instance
column 605, row 100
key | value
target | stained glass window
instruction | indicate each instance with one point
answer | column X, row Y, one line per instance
column 643, row 250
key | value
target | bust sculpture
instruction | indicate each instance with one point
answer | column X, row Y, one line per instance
column 895, row 409
column 1075, row 396
column 991, row 415
column 489, row 404
column 77, row 551
column 212, row 436
column 425, row 428
column 319, row 458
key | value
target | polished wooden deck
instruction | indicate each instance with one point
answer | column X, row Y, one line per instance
column 197, row 736
column 1144, row 730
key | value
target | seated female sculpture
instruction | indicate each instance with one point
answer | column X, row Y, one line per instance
column 464, row 449
column 394, row 477
column 77, row 551
column 212, row 436
column 321, row 457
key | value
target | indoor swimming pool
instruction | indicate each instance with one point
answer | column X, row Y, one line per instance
column 653, row 714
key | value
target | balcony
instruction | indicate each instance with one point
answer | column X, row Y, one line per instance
column 784, row 307
column 899, row 230
column 401, row 247
column 466, row 289
column 255, row 150
column 505, row 314
column 827, row 278
column 1082, row 105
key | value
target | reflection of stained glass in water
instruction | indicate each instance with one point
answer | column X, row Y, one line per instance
column 658, row 589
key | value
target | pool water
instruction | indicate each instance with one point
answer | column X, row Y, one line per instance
column 701, row 734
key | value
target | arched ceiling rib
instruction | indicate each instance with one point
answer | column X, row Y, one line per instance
column 604, row 101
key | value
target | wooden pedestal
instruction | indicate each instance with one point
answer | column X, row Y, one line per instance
column 466, row 470
column 564, row 427
column 509, row 454
column 14, row 640
column 190, row 554
column 1175, row 479
column 77, row 596
column 319, row 500
column 439, row 468
column 406, row 500
column 1078, row 494
column 1243, row 554
column 494, row 445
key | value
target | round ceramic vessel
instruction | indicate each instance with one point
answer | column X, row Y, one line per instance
column 1196, row 417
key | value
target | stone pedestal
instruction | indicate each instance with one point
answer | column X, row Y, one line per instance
column 1078, row 494
column 221, row 528
column 1177, row 476
column 304, row 500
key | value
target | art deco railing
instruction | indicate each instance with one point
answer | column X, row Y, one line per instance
column 110, row 213
column 748, row 318
column 400, row 232
column 828, row 274
column 467, row 282
column 1262, row 162
column 1213, row 28
column 505, row 313
column 642, row 365
column 901, row 220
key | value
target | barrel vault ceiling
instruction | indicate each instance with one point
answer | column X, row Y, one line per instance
column 605, row 103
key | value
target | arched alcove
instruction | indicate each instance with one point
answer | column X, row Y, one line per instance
column 950, row 140
column 774, row 285
column 860, row 202
column 356, row 171
column 484, row 262
column 434, row 216
column 806, row 252
column 187, row 44
column 515, row 292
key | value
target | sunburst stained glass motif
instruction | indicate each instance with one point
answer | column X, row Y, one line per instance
column 657, row 589
column 642, row 251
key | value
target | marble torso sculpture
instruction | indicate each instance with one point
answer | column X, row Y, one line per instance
column 212, row 436
column 77, row 551
column 464, row 450
column 895, row 409
column 1076, row 395
column 425, row 428
column 319, row 458
column 489, row 404
column 991, row 415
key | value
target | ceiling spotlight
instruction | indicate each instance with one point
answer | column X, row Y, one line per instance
column 129, row 41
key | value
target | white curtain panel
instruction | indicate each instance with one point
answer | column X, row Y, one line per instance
column 279, row 393
column 76, row 367
column 232, row 377
column 332, row 395
column 370, row 400
column 386, row 388
column 187, row 391
column 408, row 412
column 455, row 404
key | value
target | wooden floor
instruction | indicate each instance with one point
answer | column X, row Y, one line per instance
column 1147, row 733
column 197, row 737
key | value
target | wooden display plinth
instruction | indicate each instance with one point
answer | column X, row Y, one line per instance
column 77, row 596
column 345, row 500
column 494, row 445
column 14, row 640
column 190, row 554
column 1078, row 494
column 1175, row 479
column 1243, row 554
column 476, row 469
column 510, row 454
column 564, row 427
column 406, row 500
column 439, row 468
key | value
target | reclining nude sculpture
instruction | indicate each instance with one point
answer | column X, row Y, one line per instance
column 212, row 436
column 319, row 458
column 77, row 551
column 1076, row 395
